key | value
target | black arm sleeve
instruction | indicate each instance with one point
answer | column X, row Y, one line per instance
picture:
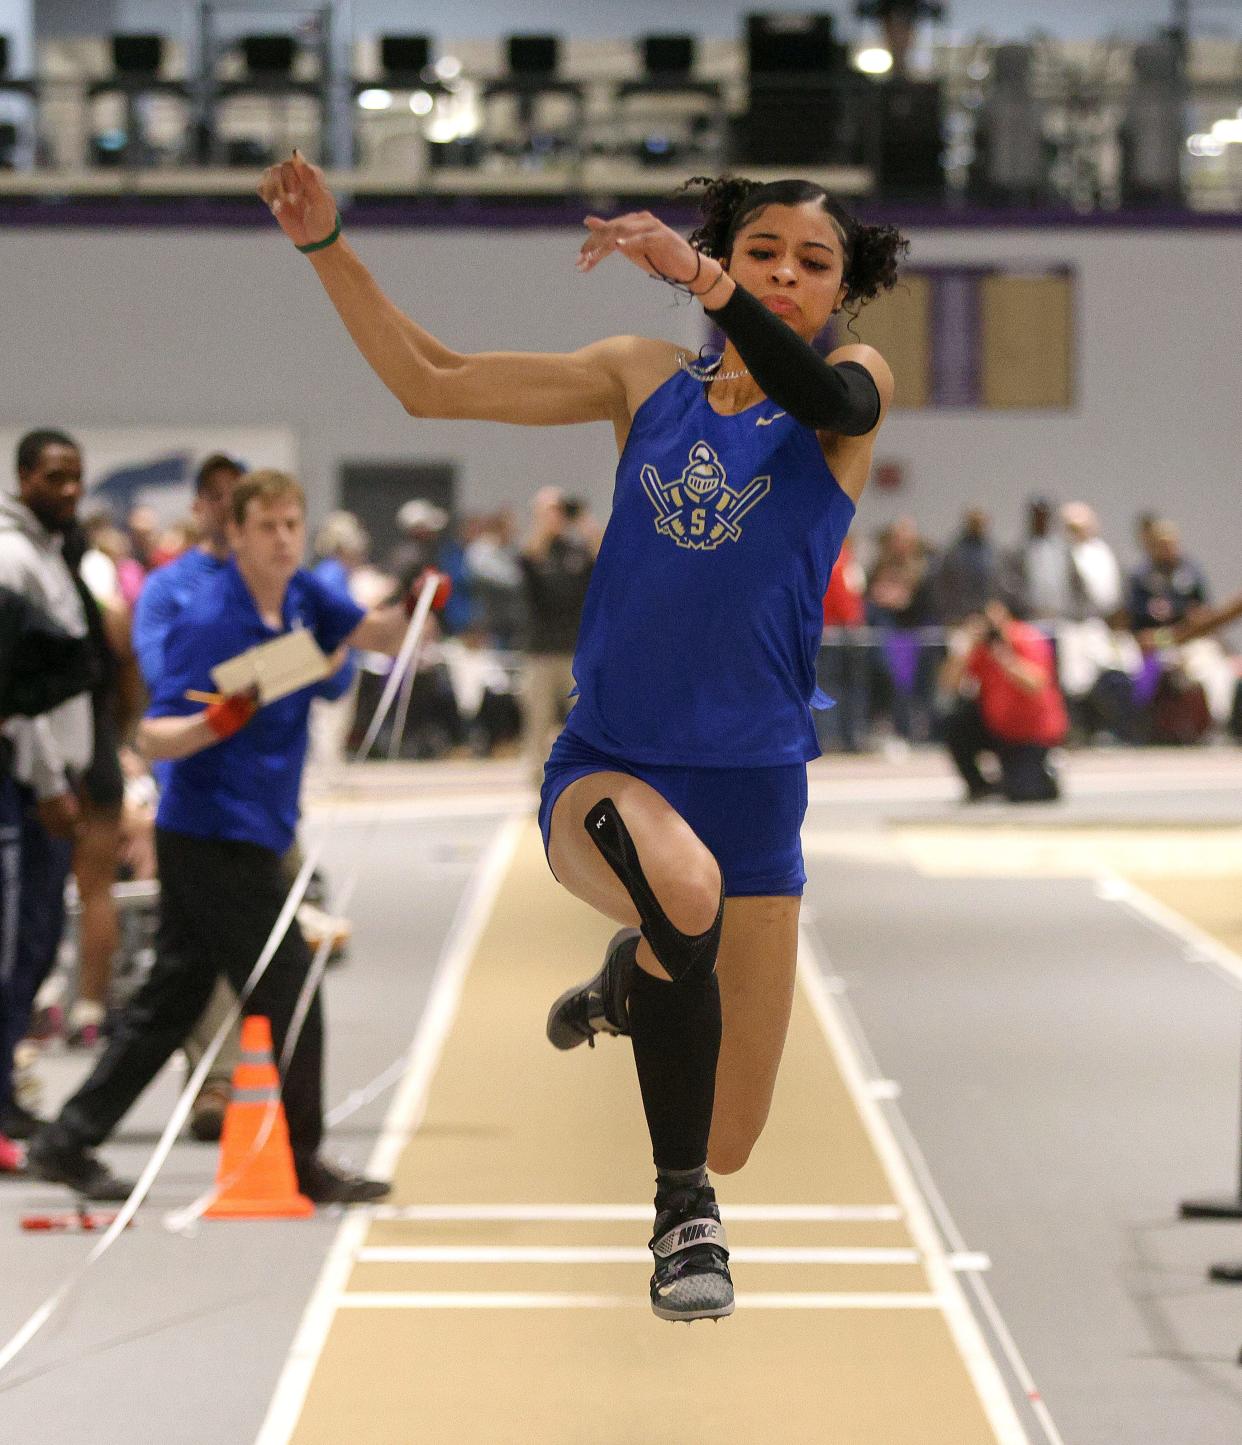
column 840, row 398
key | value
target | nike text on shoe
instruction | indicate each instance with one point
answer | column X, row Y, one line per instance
column 598, row 1006
column 691, row 1279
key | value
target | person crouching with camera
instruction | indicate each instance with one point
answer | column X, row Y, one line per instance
column 1005, row 704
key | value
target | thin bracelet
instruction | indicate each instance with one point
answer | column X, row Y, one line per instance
column 327, row 240
column 682, row 286
column 702, row 295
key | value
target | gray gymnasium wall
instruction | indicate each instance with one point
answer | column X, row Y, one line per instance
column 108, row 328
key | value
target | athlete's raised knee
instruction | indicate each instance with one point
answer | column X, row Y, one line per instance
column 685, row 952
column 693, row 899
column 728, row 1156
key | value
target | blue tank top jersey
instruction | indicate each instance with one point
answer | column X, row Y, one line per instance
column 705, row 611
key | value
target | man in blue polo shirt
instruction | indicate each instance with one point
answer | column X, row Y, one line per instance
column 170, row 589
column 227, row 816
column 165, row 595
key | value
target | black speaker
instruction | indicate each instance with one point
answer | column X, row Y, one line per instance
column 1153, row 132
column 533, row 55
column 805, row 128
column 912, row 10
column 4, row 54
column 911, row 139
column 1011, row 66
column 1157, row 62
column 793, row 43
column 405, row 54
column 137, row 54
column 268, row 55
column 668, row 56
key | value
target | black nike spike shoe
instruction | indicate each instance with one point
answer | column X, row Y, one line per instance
column 691, row 1279
column 598, row 1006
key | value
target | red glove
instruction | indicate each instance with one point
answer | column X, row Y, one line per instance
column 444, row 590
column 231, row 714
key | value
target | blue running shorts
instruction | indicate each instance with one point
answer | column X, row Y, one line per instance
column 749, row 818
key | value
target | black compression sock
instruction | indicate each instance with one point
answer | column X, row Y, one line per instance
column 675, row 1029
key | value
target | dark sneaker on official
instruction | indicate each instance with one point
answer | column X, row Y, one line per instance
column 691, row 1279
column 325, row 1183
column 64, row 1163
column 18, row 1122
column 598, row 1006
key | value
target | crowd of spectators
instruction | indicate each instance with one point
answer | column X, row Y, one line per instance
column 984, row 648
column 495, row 676
column 77, row 799
column 891, row 618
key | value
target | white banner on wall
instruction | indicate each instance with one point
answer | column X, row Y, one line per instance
column 131, row 466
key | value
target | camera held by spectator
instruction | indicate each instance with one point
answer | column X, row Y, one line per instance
column 1002, row 673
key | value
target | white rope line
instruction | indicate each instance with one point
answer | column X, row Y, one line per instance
column 367, row 1093
column 178, row 1117
column 18, row 1342
column 183, row 1221
column 403, row 708
column 413, row 634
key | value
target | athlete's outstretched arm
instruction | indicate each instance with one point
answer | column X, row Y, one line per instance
column 427, row 377
column 844, row 396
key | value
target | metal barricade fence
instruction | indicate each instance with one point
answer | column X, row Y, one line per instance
column 883, row 684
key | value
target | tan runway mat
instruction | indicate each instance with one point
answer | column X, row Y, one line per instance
column 504, row 1298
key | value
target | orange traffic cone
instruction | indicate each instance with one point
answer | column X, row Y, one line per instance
column 256, row 1183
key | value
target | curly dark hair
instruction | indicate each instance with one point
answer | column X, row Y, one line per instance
column 873, row 254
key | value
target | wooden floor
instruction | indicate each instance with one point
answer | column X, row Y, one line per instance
column 503, row 1298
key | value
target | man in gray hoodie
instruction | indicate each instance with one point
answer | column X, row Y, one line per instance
column 48, row 752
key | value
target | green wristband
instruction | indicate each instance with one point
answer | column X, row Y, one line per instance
column 327, row 240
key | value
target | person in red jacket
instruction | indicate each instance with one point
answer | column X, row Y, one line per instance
column 841, row 668
column 843, row 601
column 1003, row 673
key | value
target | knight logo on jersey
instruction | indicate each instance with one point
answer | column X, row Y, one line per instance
column 699, row 509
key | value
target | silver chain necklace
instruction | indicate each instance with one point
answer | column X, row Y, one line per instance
column 708, row 371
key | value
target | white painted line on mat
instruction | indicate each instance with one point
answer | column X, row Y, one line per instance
column 618, row 1254
column 980, row 1364
column 401, row 1121
column 969, row 1261
column 569, row 1213
column 533, row 1300
column 1201, row 947
column 961, row 1258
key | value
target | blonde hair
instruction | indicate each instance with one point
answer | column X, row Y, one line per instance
column 265, row 486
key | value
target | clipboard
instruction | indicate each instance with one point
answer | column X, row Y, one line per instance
column 286, row 664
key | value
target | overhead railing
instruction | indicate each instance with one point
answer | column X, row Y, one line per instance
column 1084, row 128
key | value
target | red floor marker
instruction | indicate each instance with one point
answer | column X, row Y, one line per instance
column 79, row 1221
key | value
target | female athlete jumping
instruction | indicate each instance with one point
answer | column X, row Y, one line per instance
column 672, row 802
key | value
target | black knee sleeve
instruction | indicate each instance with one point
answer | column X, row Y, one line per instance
column 682, row 955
